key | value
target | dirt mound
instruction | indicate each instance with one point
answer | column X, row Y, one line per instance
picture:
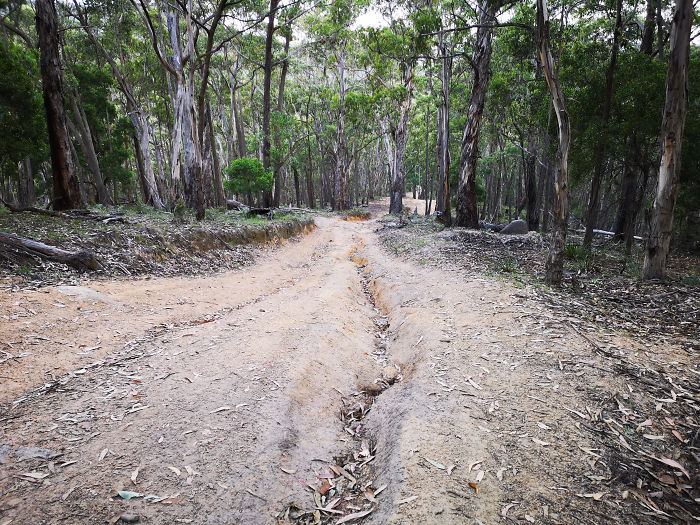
column 144, row 245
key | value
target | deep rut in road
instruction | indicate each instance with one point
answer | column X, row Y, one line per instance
column 331, row 382
column 348, row 490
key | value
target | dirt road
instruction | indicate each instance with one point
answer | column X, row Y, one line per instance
column 329, row 379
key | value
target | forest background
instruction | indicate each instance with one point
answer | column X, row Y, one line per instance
column 498, row 110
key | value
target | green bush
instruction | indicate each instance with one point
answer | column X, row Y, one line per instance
column 247, row 176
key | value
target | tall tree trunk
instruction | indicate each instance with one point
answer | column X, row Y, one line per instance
column 26, row 184
column 601, row 149
column 672, row 126
column 143, row 132
column 390, row 152
column 309, row 176
column 443, row 133
column 185, row 122
column 267, row 85
column 240, row 131
column 297, row 189
column 555, row 260
column 66, row 190
column 280, row 107
column 628, row 182
column 531, row 211
column 82, row 133
column 659, row 31
column 427, row 139
column 219, row 199
column 647, row 45
column 340, row 190
column 401, row 140
column 467, row 214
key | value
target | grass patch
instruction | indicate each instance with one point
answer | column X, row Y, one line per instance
column 355, row 214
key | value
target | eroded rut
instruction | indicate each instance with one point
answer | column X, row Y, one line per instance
column 225, row 418
column 329, row 383
column 348, row 490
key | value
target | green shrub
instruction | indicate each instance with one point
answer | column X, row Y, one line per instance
column 247, row 176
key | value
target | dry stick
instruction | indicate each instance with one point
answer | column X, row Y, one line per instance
column 593, row 344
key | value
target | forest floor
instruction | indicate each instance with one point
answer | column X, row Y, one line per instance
column 360, row 373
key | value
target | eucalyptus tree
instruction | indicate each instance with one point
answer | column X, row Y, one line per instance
column 393, row 53
column 445, row 47
column 555, row 258
column 480, row 61
column 66, row 190
column 600, row 151
column 109, row 44
column 332, row 29
column 674, row 115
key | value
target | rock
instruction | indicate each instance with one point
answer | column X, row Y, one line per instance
column 390, row 374
column 517, row 227
column 373, row 389
column 84, row 293
column 129, row 518
column 491, row 227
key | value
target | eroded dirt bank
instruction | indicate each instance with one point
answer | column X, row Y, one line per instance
column 269, row 390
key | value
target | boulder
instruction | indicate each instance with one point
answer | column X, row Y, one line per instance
column 517, row 227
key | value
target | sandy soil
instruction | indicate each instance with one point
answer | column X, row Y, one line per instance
column 220, row 396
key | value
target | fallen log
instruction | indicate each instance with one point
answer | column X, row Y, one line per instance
column 233, row 204
column 84, row 260
column 608, row 234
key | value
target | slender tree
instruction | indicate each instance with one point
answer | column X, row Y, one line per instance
column 555, row 259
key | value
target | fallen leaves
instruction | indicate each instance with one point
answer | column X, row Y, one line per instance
column 596, row 496
column 354, row 516
column 32, row 477
column 134, row 475
column 434, row 463
column 672, row 463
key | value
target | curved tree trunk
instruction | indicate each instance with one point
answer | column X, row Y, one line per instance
column 671, row 139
